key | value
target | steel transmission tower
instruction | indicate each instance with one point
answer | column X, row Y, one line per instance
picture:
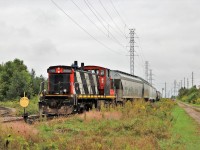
column 150, row 76
column 132, row 51
column 187, row 83
column 175, row 87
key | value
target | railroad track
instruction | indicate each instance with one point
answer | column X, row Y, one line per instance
column 4, row 111
column 6, row 115
column 33, row 118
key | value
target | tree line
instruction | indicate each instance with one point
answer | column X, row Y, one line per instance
column 191, row 95
column 15, row 79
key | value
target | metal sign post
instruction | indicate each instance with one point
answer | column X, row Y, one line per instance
column 24, row 101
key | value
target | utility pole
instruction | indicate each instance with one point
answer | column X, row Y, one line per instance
column 184, row 82
column 171, row 92
column 132, row 51
column 165, row 89
column 150, row 76
column 174, row 87
column 146, row 70
column 187, row 83
column 192, row 79
column 181, row 84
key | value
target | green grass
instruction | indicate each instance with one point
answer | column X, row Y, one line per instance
column 196, row 105
column 187, row 128
column 140, row 123
column 185, row 132
column 31, row 109
column 139, row 126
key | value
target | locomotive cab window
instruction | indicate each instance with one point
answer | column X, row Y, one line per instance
column 102, row 73
column 59, row 83
column 94, row 71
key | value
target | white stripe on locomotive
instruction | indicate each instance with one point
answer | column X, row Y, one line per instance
column 95, row 83
column 78, row 76
column 88, row 83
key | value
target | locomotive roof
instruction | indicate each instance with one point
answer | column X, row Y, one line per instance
column 127, row 75
column 119, row 74
column 96, row 67
column 69, row 67
column 60, row 66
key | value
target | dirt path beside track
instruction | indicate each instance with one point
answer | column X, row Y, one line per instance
column 5, row 111
column 191, row 110
column 8, row 115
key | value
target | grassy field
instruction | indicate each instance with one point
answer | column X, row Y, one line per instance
column 138, row 125
column 187, row 129
column 31, row 109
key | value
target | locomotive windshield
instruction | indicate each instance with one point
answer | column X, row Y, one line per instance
column 59, row 83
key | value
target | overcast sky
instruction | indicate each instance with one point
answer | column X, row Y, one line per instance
column 167, row 31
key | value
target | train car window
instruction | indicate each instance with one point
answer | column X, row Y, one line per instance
column 92, row 71
column 97, row 71
column 102, row 72
column 108, row 73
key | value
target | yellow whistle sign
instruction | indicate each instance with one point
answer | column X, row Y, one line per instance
column 24, row 101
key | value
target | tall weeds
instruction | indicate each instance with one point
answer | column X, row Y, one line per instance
column 137, row 125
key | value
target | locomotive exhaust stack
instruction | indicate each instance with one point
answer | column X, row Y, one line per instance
column 82, row 66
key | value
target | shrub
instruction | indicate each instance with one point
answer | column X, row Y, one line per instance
column 197, row 101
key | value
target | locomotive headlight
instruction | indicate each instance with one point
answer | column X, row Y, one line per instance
column 65, row 90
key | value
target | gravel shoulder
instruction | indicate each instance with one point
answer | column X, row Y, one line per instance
column 194, row 112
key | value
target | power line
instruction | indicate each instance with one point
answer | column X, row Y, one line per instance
column 140, row 47
column 87, row 3
column 102, row 19
column 111, row 18
column 96, row 14
column 82, row 27
column 118, row 14
column 88, row 17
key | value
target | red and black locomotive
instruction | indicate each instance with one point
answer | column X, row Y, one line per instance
column 75, row 89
